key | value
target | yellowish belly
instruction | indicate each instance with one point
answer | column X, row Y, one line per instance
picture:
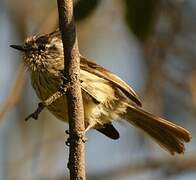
column 100, row 113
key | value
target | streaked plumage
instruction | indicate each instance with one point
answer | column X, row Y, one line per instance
column 105, row 96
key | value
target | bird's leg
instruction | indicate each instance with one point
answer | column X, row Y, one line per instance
column 78, row 136
column 62, row 90
column 67, row 142
column 36, row 113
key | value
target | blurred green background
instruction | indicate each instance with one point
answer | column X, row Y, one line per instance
column 151, row 44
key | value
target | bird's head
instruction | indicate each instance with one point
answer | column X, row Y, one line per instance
column 41, row 52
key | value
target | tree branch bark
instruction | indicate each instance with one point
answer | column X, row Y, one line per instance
column 76, row 162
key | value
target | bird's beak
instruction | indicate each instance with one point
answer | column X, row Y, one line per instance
column 18, row 47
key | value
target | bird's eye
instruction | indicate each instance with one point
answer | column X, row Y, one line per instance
column 41, row 47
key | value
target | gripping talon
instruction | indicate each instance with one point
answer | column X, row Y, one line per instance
column 67, row 131
column 64, row 79
column 68, row 141
column 61, row 89
column 33, row 116
column 36, row 113
column 84, row 140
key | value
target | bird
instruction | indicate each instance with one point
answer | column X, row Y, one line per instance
column 106, row 97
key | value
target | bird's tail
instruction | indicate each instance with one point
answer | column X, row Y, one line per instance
column 168, row 135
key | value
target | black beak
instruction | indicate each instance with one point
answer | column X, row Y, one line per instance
column 18, row 47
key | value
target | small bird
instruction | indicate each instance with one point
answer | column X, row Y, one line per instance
column 106, row 97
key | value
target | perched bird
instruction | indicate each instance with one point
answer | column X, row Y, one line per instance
column 106, row 97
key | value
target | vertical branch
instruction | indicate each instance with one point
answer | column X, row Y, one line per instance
column 76, row 162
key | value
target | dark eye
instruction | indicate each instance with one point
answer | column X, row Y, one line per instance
column 53, row 48
column 41, row 47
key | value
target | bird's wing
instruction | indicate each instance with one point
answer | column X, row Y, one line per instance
column 98, row 70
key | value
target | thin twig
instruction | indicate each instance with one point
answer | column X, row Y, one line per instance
column 76, row 162
column 15, row 92
column 169, row 166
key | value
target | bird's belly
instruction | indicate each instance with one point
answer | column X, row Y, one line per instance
column 45, row 86
column 98, row 113
column 60, row 109
column 95, row 115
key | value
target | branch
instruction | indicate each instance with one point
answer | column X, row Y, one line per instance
column 168, row 166
column 76, row 162
column 15, row 92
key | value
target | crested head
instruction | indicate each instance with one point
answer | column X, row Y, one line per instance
column 41, row 52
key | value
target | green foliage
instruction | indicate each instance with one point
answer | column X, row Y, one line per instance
column 140, row 16
column 83, row 8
